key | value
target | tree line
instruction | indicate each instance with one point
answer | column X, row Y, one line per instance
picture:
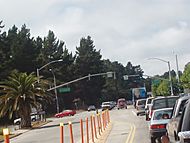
column 21, row 54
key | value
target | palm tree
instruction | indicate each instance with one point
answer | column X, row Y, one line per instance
column 20, row 93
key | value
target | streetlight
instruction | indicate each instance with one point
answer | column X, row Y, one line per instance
column 55, row 90
column 170, row 78
column 38, row 69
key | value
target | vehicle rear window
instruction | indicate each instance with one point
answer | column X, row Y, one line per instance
column 164, row 103
column 171, row 102
column 159, row 103
column 106, row 103
column 158, row 114
column 149, row 101
column 141, row 102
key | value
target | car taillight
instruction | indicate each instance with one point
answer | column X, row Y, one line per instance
column 151, row 112
column 158, row 126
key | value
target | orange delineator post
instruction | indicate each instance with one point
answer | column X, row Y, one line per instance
column 108, row 117
column 6, row 138
column 81, row 129
column 87, row 133
column 92, row 131
column 71, row 133
column 98, row 121
column 103, row 120
column 6, row 135
column 94, row 121
column 61, row 133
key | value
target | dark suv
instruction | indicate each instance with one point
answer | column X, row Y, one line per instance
column 172, row 126
column 162, row 102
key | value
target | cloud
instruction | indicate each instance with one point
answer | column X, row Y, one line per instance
column 129, row 30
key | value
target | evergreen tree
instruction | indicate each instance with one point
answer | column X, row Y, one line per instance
column 88, row 61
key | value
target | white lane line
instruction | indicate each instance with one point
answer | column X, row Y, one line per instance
column 134, row 113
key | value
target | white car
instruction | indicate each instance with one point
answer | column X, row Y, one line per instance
column 106, row 105
column 158, row 122
column 34, row 117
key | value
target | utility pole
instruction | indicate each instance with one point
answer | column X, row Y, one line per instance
column 177, row 68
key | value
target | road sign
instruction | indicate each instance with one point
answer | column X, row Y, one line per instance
column 155, row 81
column 64, row 89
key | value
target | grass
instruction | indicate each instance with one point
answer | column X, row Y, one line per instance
column 39, row 123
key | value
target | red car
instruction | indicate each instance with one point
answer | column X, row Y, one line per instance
column 65, row 113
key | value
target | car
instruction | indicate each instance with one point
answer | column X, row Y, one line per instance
column 121, row 103
column 113, row 103
column 91, row 108
column 184, row 124
column 140, row 106
column 158, row 122
column 148, row 103
column 162, row 102
column 65, row 113
column 175, row 117
column 34, row 117
column 106, row 105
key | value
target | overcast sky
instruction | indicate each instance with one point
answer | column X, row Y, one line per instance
column 124, row 30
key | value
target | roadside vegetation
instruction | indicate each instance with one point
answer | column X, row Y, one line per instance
column 21, row 55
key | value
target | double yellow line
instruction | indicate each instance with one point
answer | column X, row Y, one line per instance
column 131, row 135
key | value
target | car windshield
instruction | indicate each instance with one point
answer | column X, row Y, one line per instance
column 67, row 111
column 158, row 115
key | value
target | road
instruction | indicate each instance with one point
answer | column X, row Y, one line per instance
column 50, row 133
column 126, row 128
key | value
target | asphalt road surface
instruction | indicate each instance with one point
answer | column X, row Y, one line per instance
column 126, row 128
column 50, row 133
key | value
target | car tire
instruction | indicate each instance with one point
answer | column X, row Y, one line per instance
column 176, row 137
column 17, row 123
column 153, row 140
column 33, row 120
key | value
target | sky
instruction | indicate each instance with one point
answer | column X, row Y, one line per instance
column 123, row 30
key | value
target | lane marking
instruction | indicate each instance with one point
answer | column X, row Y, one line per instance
column 134, row 113
column 128, row 137
column 133, row 134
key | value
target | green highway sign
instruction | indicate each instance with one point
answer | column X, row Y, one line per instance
column 155, row 81
column 64, row 89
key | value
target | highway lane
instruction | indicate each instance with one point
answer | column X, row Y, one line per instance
column 50, row 132
column 127, row 127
